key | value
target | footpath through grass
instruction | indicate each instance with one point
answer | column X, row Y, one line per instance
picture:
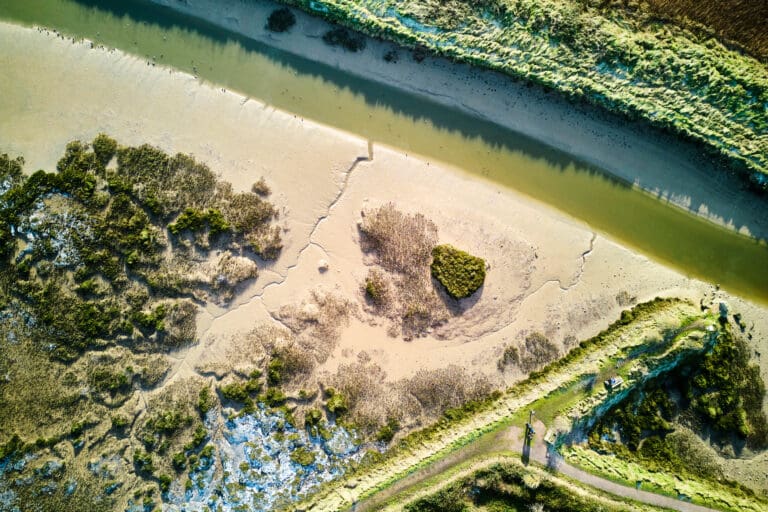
column 460, row 428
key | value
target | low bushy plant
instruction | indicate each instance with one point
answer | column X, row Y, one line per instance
column 350, row 41
column 281, row 20
column 459, row 272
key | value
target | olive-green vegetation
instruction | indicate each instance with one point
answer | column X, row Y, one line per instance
column 97, row 262
column 459, row 272
column 303, row 456
column 684, row 82
column 377, row 288
column 506, row 487
column 717, row 394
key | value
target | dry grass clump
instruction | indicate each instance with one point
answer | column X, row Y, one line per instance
column 401, row 245
column 370, row 400
column 316, row 323
column 373, row 404
column 689, row 447
column 536, row 352
column 290, row 352
column 444, row 388
column 293, row 362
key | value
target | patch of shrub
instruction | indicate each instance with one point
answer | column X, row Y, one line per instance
column 194, row 220
column 104, row 147
column 350, row 41
column 273, row 397
column 281, row 20
column 261, row 188
column 420, row 53
column 377, row 288
column 388, row 431
column 143, row 461
column 403, row 243
column 445, row 388
column 303, row 456
column 459, row 272
column 536, row 352
column 205, row 400
column 337, row 403
column 234, row 391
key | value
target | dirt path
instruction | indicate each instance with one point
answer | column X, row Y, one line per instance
column 511, row 441
column 540, row 454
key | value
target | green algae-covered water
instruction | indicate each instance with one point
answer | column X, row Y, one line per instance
column 385, row 115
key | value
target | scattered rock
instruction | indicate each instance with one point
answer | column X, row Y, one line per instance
column 322, row 265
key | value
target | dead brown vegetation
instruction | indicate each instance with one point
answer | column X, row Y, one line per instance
column 534, row 353
column 316, row 323
column 373, row 402
column 401, row 245
column 444, row 388
column 741, row 22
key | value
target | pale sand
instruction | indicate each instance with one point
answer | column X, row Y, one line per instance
column 547, row 272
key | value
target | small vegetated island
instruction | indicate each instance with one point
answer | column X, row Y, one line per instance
column 674, row 64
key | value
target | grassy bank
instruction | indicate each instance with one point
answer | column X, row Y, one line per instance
column 680, row 81
column 469, row 424
column 503, row 483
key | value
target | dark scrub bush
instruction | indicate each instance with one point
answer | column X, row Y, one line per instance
column 459, row 272
column 348, row 40
column 281, row 20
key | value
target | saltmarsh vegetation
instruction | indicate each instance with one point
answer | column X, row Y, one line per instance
column 103, row 261
column 407, row 257
column 458, row 271
column 717, row 396
column 508, row 486
column 683, row 81
column 472, row 417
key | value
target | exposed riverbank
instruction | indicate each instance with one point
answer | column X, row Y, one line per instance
column 416, row 124
column 672, row 170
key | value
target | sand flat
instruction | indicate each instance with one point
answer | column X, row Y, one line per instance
column 548, row 272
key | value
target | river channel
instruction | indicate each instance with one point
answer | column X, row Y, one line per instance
column 389, row 116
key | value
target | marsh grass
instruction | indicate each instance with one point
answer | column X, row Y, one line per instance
column 96, row 287
column 660, row 73
column 401, row 245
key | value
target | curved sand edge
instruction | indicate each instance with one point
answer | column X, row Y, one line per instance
column 666, row 167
